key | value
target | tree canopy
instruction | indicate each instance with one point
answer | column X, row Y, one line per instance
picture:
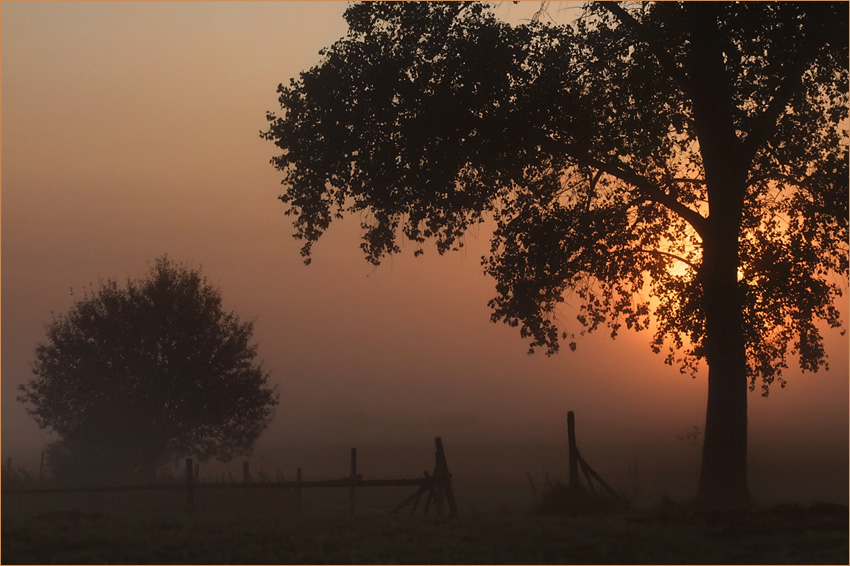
column 132, row 378
column 674, row 165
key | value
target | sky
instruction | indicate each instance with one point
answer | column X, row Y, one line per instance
column 131, row 130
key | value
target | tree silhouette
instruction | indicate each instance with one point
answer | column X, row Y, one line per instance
column 694, row 152
column 132, row 378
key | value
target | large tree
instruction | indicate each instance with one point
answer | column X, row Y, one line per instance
column 132, row 378
column 675, row 166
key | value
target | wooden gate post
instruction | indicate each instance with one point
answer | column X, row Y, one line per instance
column 190, row 487
column 443, row 480
column 571, row 433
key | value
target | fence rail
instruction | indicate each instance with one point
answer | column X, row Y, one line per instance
column 437, row 485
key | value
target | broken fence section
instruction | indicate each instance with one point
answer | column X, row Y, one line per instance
column 576, row 462
column 438, row 485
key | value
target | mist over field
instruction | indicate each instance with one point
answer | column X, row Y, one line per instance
column 131, row 130
column 132, row 137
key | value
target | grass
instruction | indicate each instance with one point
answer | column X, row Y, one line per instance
column 666, row 535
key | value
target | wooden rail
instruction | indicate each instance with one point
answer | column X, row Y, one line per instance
column 438, row 484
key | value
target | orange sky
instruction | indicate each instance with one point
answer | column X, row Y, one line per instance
column 130, row 130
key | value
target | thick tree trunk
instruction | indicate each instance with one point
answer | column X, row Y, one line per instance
column 723, row 478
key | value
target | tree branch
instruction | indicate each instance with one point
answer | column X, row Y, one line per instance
column 763, row 124
column 687, row 180
column 664, row 58
column 651, row 190
column 690, row 264
column 773, row 176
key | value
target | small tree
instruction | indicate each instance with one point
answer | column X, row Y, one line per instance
column 132, row 378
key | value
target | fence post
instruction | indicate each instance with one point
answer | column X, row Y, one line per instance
column 298, row 489
column 246, row 473
column 443, row 479
column 190, row 487
column 571, row 434
column 353, row 478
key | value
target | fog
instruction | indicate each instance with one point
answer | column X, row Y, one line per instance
column 130, row 130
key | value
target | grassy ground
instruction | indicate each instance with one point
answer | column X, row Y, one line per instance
column 783, row 535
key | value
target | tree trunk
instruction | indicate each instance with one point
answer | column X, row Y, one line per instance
column 723, row 478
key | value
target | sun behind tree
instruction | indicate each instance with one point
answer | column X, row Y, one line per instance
column 709, row 134
column 133, row 378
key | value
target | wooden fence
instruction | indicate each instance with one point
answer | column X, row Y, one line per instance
column 437, row 485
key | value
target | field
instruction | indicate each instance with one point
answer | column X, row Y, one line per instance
column 231, row 529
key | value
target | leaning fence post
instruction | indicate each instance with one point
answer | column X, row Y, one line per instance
column 190, row 487
column 353, row 478
column 571, row 433
column 444, row 481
